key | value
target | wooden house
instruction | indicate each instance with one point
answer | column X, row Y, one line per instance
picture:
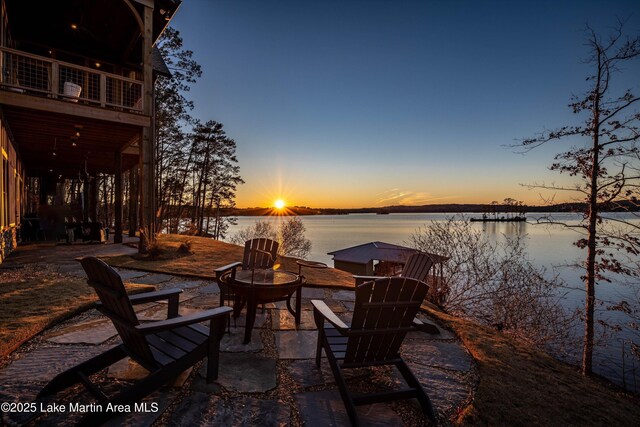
column 76, row 100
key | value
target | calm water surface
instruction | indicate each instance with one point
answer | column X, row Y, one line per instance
column 550, row 247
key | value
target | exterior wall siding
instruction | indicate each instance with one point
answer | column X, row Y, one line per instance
column 11, row 192
column 359, row 269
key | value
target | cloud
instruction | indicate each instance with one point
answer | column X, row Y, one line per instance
column 397, row 197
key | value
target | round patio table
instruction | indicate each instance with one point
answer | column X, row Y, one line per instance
column 311, row 264
column 261, row 286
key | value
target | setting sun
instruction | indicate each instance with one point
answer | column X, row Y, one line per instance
column 279, row 204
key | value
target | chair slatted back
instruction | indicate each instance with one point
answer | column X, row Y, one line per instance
column 261, row 259
column 417, row 266
column 116, row 305
column 383, row 314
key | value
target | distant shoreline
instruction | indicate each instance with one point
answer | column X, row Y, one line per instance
column 444, row 208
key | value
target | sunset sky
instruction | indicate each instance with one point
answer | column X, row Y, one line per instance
column 372, row 103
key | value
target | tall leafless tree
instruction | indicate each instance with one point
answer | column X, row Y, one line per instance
column 605, row 168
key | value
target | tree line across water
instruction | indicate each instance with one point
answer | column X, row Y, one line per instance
column 621, row 206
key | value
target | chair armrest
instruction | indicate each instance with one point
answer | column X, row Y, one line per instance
column 224, row 271
column 323, row 310
column 153, row 296
column 163, row 325
column 428, row 327
column 227, row 267
column 361, row 279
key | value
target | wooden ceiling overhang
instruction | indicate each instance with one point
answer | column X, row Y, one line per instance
column 105, row 30
column 39, row 135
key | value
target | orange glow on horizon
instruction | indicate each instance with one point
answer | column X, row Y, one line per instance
column 279, row 204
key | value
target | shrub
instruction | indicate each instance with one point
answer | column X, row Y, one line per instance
column 155, row 250
column 184, row 248
column 290, row 235
column 494, row 283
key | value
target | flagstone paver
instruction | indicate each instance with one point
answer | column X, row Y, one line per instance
column 296, row 344
column 92, row 332
column 204, row 302
column 249, row 411
column 196, row 409
column 343, row 295
column 446, row 355
column 237, row 325
column 44, row 363
column 159, row 312
column 151, row 279
column 128, row 275
column 245, row 372
column 128, row 370
column 204, row 409
column 283, row 320
column 312, row 293
column 445, row 389
column 186, row 284
column 162, row 398
column 233, row 342
column 247, row 391
column 325, row 408
column 305, row 373
column 210, row 288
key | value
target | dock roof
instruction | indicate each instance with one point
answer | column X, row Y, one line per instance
column 381, row 251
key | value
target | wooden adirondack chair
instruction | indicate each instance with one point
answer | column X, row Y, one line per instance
column 383, row 314
column 165, row 348
column 417, row 267
column 258, row 253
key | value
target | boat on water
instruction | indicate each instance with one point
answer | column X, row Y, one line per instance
column 501, row 219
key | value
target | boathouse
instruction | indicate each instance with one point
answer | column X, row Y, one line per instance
column 376, row 258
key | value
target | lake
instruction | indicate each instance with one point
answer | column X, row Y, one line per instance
column 547, row 246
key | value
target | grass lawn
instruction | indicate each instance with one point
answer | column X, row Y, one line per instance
column 518, row 384
column 33, row 298
column 208, row 254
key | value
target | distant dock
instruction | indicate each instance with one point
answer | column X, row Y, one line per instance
column 501, row 219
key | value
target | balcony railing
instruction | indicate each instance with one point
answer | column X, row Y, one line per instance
column 37, row 75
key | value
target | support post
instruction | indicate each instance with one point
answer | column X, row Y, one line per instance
column 85, row 198
column 133, row 202
column 147, row 180
column 117, row 210
column 93, row 198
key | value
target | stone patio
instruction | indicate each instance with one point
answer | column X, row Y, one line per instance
column 271, row 381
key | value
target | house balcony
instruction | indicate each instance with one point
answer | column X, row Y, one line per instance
column 38, row 82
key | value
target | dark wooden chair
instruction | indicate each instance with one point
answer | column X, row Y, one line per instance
column 383, row 314
column 165, row 348
column 258, row 253
column 417, row 267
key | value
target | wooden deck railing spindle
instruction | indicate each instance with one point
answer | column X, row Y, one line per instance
column 41, row 76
